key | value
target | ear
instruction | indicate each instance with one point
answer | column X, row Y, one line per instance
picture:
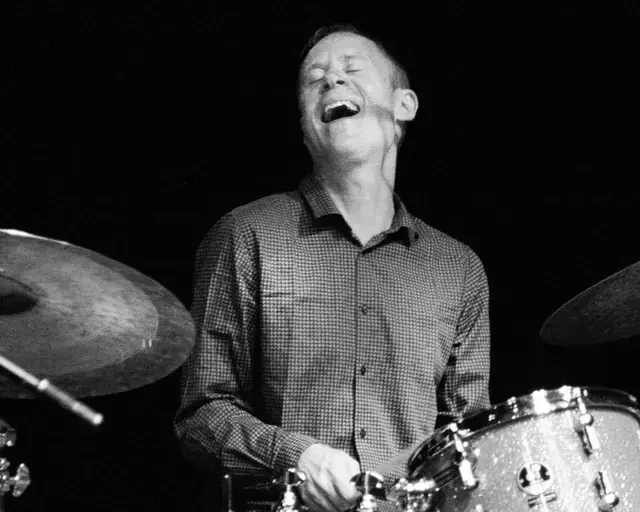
column 406, row 104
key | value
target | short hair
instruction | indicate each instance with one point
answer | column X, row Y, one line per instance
column 399, row 78
column 399, row 75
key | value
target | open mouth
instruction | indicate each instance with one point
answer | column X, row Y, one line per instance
column 339, row 110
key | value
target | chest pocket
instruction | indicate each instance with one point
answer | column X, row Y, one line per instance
column 306, row 308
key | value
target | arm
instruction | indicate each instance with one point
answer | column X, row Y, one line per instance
column 215, row 423
column 464, row 388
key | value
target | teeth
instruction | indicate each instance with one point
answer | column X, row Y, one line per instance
column 349, row 104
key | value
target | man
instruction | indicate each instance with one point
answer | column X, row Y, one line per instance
column 333, row 326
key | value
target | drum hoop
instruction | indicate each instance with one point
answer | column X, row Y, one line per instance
column 536, row 404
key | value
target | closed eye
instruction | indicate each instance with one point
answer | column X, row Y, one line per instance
column 315, row 75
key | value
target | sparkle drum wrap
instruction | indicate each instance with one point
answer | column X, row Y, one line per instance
column 531, row 455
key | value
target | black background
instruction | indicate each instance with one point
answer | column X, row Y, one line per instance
column 130, row 128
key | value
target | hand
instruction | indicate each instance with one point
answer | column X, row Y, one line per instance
column 329, row 472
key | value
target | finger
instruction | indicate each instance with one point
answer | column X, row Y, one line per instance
column 345, row 492
column 331, row 499
column 318, row 499
column 343, row 486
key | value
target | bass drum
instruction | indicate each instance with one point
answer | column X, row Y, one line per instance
column 570, row 449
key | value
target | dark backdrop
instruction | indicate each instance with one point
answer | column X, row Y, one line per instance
column 130, row 128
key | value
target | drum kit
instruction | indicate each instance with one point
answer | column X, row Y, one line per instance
column 570, row 449
column 91, row 325
column 96, row 327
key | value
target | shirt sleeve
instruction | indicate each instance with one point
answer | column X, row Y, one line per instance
column 216, row 423
column 464, row 388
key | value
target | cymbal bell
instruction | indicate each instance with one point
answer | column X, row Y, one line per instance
column 89, row 324
column 607, row 311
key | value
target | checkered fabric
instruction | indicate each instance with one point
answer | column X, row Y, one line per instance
column 304, row 336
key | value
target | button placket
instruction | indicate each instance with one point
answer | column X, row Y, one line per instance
column 364, row 317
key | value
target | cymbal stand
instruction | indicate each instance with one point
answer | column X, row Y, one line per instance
column 46, row 388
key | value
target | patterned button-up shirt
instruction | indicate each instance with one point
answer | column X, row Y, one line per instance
column 304, row 336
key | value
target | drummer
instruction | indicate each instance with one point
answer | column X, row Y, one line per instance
column 334, row 328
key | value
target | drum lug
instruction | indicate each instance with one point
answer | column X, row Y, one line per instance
column 608, row 498
column 7, row 436
column 586, row 429
column 371, row 485
column 414, row 495
column 465, row 459
column 17, row 483
column 290, row 501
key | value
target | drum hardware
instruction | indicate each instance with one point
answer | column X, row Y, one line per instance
column 18, row 483
column 417, row 495
column 608, row 499
column 290, row 499
column 227, row 493
column 465, row 459
column 585, row 427
column 370, row 485
column 44, row 387
column 7, row 435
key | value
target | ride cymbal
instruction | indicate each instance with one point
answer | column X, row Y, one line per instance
column 89, row 324
column 606, row 311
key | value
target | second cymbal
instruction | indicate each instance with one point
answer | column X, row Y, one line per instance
column 607, row 311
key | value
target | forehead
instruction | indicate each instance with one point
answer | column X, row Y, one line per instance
column 343, row 45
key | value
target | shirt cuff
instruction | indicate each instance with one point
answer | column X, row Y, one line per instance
column 292, row 447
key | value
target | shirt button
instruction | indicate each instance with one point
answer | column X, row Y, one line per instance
column 363, row 370
column 363, row 433
column 365, row 309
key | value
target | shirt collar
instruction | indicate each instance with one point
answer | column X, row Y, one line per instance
column 322, row 206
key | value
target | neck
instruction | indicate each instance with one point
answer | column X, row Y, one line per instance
column 363, row 194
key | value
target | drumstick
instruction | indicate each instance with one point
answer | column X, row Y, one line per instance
column 402, row 457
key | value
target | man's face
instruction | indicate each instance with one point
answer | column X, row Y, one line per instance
column 347, row 101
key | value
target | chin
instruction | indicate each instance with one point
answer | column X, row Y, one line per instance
column 357, row 147
column 344, row 155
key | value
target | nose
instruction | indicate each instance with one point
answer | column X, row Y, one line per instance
column 333, row 79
